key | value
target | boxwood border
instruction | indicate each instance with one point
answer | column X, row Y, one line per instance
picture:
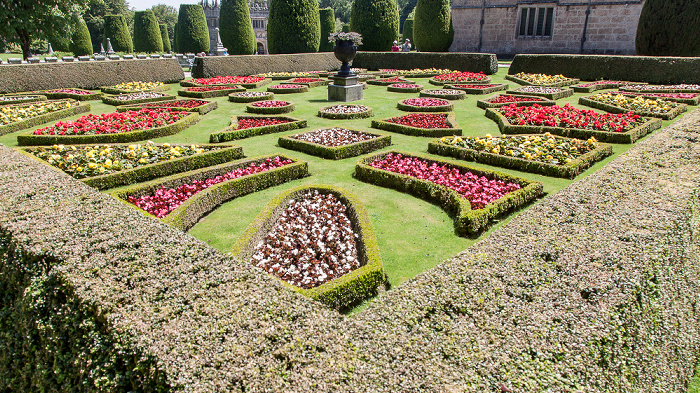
column 621, row 88
column 34, row 97
column 342, row 292
column 269, row 96
column 211, row 93
column 415, row 131
column 45, row 118
column 231, row 133
column 411, row 108
column 427, row 93
column 110, row 100
column 569, row 82
column 271, row 110
column 688, row 101
column 321, row 82
column 395, row 89
column 345, row 116
column 189, row 83
column 29, row 139
column 618, row 109
column 488, row 90
column 112, row 90
column 275, row 90
column 79, row 97
column 339, row 152
column 202, row 109
column 381, row 82
column 205, row 201
column 436, row 82
column 467, row 222
column 579, row 133
column 566, row 171
column 564, row 93
column 601, row 86
column 485, row 103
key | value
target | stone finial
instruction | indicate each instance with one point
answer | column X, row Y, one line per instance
column 110, row 51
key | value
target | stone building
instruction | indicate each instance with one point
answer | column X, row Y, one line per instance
column 259, row 11
column 508, row 27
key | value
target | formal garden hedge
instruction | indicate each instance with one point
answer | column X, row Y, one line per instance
column 474, row 62
column 147, row 37
column 43, row 119
column 338, row 152
column 617, row 109
column 342, row 292
column 293, row 26
column 57, row 95
column 232, row 133
column 192, row 30
column 211, row 93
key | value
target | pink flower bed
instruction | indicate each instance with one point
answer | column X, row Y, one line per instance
column 259, row 122
column 306, row 80
column 114, row 122
column 422, row 120
column 685, row 96
column 270, row 104
column 228, row 80
column 211, row 88
column 70, row 91
column 596, row 83
column 287, row 86
column 461, row 77
column 405, row 85
column 502, row 99
column 462, row 86
column 425, row 102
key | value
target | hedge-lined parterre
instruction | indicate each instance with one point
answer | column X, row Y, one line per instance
column 684, row 98
column 309, row 81
column 472, row 88
column 425, row 105
column 135, row 98
column 270, row 107
column 542, row 79
column 619, row 103
column 421, row 124
column 335, row 143
column 247, row 126
column 598, row 85
column 288, row 88
column 679, row 88
column 251, row 96
column 388, row 81
column 250, row 82
column 76, row 94
column 500, row 100
column 346, row 111
column 446, row 94
column 199, row 106
column 16, row 117
column 552, row 93
column 460, row 77
column 404, row 88
column 210, row 91
column 132, row 87
column 21, row 98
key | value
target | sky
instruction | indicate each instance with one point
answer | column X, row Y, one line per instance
column 141, row 5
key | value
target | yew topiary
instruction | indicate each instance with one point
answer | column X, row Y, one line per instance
column 432, row 26
column 147, row 36
column 345, row 28
column 192, row 31
column 82, row 44
column 164, row 37
column 669, row 28
column 377, row 21
column 236, row 27
column 293, row 26
column 327, row 16
column 176, row 48
column 408, row 29
column 117, row 31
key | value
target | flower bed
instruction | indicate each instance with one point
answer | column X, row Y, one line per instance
column 447, row 94
column 16, row 117
column 388, row 81
column 475, row 196
column 542, row 154
column 478, row 88
column 422, row 73
column 133, row 87
column 248, row 82
column 246, row 126
column 270, row 107
column 683, row 98
column 110, row 166
column 251, row 96
column 288, row 89
column 114, row 127
column 404, row 88
column 345, row 111
column 460, row 77
column 199, row 106
column 644, row 88
column 21, row 98
column 335, row 143
column 340, row 266
column 551, row 93
column 421, row 124
column 278, row 76
column 311, row 82
column 572, row 122
column 210, row 91
column 598, row 85
column 619, row 103
column 76, row 94
column 500, row 100
column 135, row 98
column 425, row 105
column 210, row 187
column 542, row 80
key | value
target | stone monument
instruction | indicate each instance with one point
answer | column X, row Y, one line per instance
column 345, row 86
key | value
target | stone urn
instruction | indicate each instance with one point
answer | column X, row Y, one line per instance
column 345, row 51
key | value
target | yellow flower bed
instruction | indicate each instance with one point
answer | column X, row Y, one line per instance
column 635, row 104
column 137, row 86
column 541, row 79
column 20, row 112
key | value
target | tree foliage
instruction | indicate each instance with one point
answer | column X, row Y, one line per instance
column 293, row 26
column 147, row 36
column 327, row 18
column 408, row 29
column 404, row 13
column 342, row 8
column 168, row 15
column 432, row 26
column 94, row 17
column 236, row 28
column 377, row 21
column 118, row 33
column 164, row 37
column 81, row 44
column 192, row 31
column 669, row 28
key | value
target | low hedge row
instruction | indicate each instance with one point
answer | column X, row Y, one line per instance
column 254, row 85
column 234, row 97
column 231, row 133
column 604, row 136
column 616, row 109
column 630, row 89
column 211, row 66
column 455, row 129
column 397, row 89
column 564, row 93
column 600, row 86
column 111, row 100
column 211, row 93
column 43, row 119
column 30, row 98
column 342, row 292
column 30, row 139
column 114, row 90
column 486, row 102
column 338, row 152
column 388, row 81
column 567, row 171
column 273, row 110
column 310, row 84
column 80, row 97
column 324, row 112
column 412, row 108
column 438, row 82
column 288, row 90
column 568, row 82
column 160, row 169
column 203, row 202
column 202, row 109
column 467, row 222
column 488, row 90
column 474, row 62
column 436, row 94
column 688, row 101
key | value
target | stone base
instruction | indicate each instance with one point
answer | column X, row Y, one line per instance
column 344, row 93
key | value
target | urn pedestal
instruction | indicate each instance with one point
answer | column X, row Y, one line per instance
column 345, row 86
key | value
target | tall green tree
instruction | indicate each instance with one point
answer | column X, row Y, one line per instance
column 669, row 28
column 192, row 31
column 147, row 36
column 342, row 8
column 94, row 17
column 377, row 21
column 25, row 20
column 293, row 26
column 164, row 37
column 81, row 44
column 176, row 47
column 408, row 29
column 327, row 27
column 118, row 33
column 236, row 28
column 404, row 12
column 432, row 26
column 168, row 15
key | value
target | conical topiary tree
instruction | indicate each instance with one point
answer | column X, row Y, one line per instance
column 164, row 37
column 408, row 29
column 377, row 21
column 327, row 17
column 147, row 32
column 81, row 44
column 236, row 28
column 293, row 26
column 192, row 31
column 432, row 26
column 117, row 31
column 669, row 28
column 176, row 47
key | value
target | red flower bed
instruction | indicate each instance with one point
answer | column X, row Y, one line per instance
column 176, row 104
column 422, row 120
column 259, row 122
column 306, row 80
column 114, row 123
column 270, row 104
column 228, row 80
column 393, row 80
column 166, row 200
column 479, row 190
column 474, row 86
column 425, row 102
column 461, row 77
column 211, row 88
column 502, row 99
column 570, row 117
column 70, row 91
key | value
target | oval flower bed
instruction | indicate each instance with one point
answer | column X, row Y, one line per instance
column 421, row 124
column 247, row 126
column 388, row 81
column 345, row 111
column 425, row 105
column 572, row 122
column 319, row 241
column 335, row 143
column 20, row 98
column 209, row 91
column 619, row 103
column 15, row 117
column 133, row 87
column 251, row 96
column 135, row 98
column 76, row 94
column 404, row 88
column 500, row 100
column 454, row 77
column 199, row 106
column 287, row 89
column 472, row 88
column 523, row 78
column 475, row 196
column 270, row 107
column 597, row 85
column 684, row 98
column 248, row 82
column 114, row 127
column 545, row 154
column 552, row 93
column 447, row 94
column 311, row 82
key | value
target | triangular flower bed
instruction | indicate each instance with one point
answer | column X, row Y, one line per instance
column 649, row 107
column 335, row 143
column 339, row 266
column 247, row 126
column 421, row 124
column 542, row 80
column 15, row 116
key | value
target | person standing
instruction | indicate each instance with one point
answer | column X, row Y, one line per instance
column 395, row 46
column 406, row 47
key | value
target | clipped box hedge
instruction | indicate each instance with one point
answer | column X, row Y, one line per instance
column 273, row 110
column 474, row 62
column 324, row 112
column 231, row 133
column 207, row 107
column 412, row 108
column 486, row 102
column 455, row 129
column 567, row 82
column 159, row 169
column 488, row 90
column 211, row 93
column 593, row 86
column 205, row 201
column 43, row 119
column 564, row 93
column 211, row 66
column 235, row 97
column 617, row 109
column 30, row 97
column 568, row 170
column 342, row 292
column 111, row 100
column 30, row 139
column 336, row 152
column 114, row 90
column 467, row 222
column 435, row 94
column 688, row 101
column 80, row 97
column 604, row 136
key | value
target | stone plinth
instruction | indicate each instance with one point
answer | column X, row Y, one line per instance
column 345, row 89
